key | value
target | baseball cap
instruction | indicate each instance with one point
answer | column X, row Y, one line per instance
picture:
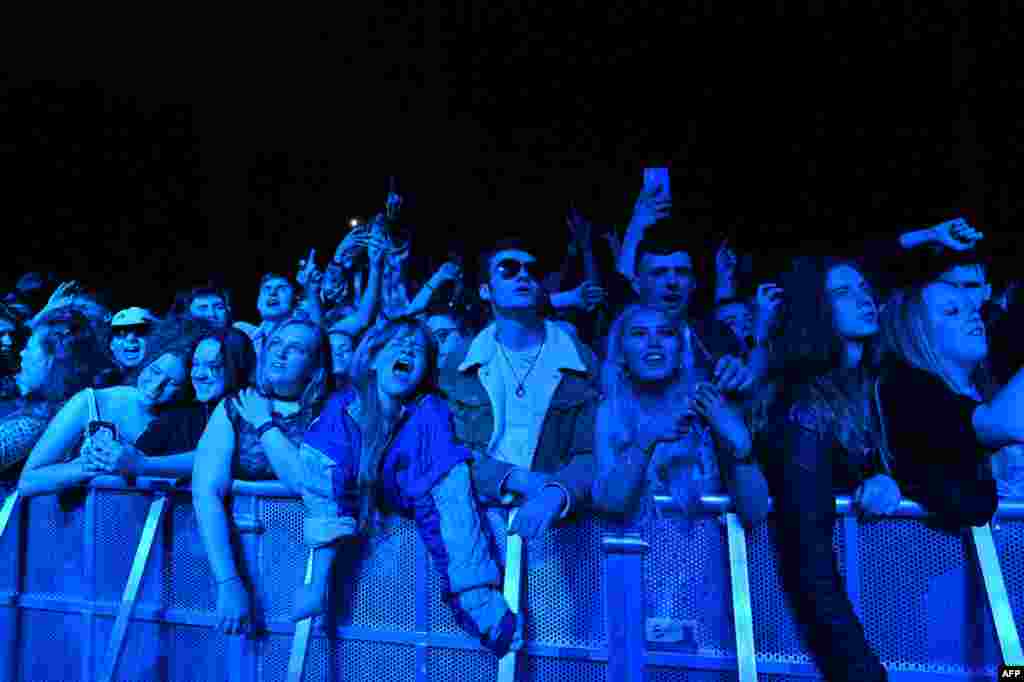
column 132, row 317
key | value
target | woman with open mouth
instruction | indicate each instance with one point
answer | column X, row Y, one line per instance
column 388, row 441
column 104, row 425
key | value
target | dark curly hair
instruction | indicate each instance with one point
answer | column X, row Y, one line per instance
column 809, row 343
column 238, row 354
column 177, row 337
column 70, row 339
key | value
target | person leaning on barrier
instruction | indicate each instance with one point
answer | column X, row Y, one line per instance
column 255, row 435
column 96, row 422
column 222, row 362
column 60, row 359
column 389, row 442
column 659, row 427
column 824, row 438
column 524, row 396
column 943, row 413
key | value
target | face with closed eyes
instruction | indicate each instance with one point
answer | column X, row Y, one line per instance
column 955, row 328
column 651, row 347
column 208, row 371
column 162, row 380
column 401, row 364
column 854, row 314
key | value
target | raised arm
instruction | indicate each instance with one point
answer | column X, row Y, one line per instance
column 44, row 471
column 648, row 210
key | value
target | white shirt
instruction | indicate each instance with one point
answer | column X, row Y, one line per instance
column 518, row 421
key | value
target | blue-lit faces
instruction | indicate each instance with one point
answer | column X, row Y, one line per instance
column 128, row 345
column 276, row 299
column 738, row 317
column 955, row 328
column 401, row 364
column 210, row 308
column 666, row 282
column 162, row 380
column 208, row 371
column 342, row 348
column 35, row 365
column 513, row 282
column 854, row 314
column 449, row 339
column 651, row 347
column 289, row 358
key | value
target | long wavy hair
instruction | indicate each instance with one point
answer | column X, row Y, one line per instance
column 907, row 335
column 319, row 384
column 374, row 425
column 809, row 343
column 67, row 336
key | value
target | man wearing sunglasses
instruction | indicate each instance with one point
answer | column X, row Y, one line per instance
column 524, row 396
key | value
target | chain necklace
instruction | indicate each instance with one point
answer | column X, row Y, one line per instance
column 520, row 391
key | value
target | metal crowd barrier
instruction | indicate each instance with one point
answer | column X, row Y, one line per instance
column 118, row 588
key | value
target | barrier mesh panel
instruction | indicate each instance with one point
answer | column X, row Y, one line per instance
column 1009, row 539
column 560, row 670
column 686, row 577
column 375, row 580
column 453, row 665
column 120, row 518
column 275, row 651
column 186, row 581
column 361, row 661
column 54, row 559
column 283, row 557
column 777, row 635
column 918, row 586
column 9, row 548
column 657, row 674
column 41, row 660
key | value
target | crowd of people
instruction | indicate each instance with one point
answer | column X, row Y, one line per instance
column 457, row 401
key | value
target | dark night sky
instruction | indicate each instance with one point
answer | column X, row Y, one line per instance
column 146, row 163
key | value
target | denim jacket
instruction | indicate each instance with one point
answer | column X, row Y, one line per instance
column 565, row 448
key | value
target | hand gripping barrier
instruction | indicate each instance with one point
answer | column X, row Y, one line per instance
column 118, row 587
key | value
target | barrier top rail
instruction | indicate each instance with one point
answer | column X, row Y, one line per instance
column 709, row 504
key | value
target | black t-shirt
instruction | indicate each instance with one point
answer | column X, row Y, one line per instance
column 937, row 459
column 176, row 430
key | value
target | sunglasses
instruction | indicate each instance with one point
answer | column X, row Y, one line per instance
column 509, row 268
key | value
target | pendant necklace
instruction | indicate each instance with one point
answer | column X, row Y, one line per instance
column 520, row 391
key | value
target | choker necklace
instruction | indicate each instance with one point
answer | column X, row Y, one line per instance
column 520, row 391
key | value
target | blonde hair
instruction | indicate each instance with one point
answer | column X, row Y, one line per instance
column 907, row 334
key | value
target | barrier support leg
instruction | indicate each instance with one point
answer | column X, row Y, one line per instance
column 300, row 641
column 743, row 617
column 131, row 589
column 624, row 606
column 998, row 598
column 513, row 594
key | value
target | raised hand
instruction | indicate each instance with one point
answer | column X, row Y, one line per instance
column 767, row 305
column 724, row 419
column 308, row 274
column 731, row 375
column 590, row 295
column 956, row 234
column 650, row 207
column 614, row 243
column 580, row 228
column 725, row 261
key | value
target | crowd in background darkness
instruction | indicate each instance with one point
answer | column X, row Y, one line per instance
column 557, row 389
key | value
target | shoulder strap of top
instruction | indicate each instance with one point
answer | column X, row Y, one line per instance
column 94, row 412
